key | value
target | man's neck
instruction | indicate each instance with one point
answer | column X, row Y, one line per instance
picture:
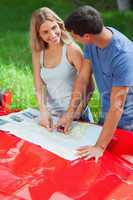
column 103, row 39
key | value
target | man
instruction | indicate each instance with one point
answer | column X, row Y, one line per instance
column 109, row 55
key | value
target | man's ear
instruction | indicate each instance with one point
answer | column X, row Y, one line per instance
column 87, row 37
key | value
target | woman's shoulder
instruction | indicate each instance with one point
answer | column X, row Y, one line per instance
column 73, row 49
column 75, row 55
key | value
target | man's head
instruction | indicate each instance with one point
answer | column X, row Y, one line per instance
column 84, row 21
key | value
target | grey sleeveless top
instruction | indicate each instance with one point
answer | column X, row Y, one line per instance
column 59, row 83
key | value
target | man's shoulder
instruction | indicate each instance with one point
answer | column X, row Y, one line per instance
column 120, row 44
column 120, row 39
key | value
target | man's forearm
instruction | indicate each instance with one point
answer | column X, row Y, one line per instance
column 109, row 127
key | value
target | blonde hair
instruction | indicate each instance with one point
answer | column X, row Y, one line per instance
column 39, row 17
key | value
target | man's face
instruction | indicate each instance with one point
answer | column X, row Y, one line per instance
column 77, row 38
column 85, row 39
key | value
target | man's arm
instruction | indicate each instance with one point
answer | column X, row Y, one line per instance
column 79, row 88
column 117, row 102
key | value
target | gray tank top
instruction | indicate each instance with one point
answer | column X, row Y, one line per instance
column 59, row 83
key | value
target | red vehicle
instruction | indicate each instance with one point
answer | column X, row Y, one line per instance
column 28, row 172
column 5, row 101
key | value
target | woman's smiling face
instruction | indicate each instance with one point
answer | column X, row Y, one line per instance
column 50, row 32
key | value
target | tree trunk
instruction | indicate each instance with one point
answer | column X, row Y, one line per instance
column 123, row 5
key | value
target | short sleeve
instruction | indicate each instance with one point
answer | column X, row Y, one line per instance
column 87, row 52
column 123, row 71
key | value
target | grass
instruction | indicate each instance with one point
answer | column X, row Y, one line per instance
column 15, row 56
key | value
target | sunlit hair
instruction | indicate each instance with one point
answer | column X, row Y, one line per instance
column 38, row 18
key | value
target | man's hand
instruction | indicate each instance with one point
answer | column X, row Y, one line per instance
column 88, row 152
column 64, row 122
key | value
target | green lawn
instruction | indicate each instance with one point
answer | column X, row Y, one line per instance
column 15, row 56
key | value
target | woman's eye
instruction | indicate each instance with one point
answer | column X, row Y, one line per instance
column 54, row 27
column 45, row 32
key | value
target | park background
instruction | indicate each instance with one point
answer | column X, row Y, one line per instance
column 15, row 56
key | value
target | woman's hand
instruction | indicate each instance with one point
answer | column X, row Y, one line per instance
column 64, row 123
column 46, row 120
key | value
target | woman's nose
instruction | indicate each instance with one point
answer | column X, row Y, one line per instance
column 52, row 33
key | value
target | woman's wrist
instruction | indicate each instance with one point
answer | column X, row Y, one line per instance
column 43, row 108
column 71, row 112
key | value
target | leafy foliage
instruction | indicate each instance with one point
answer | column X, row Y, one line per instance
column 15, row 60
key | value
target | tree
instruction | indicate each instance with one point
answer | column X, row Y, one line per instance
column 124, row 4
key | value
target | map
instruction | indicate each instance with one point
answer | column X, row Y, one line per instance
column 25, row 125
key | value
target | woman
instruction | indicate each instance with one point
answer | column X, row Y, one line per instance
column 56, row 61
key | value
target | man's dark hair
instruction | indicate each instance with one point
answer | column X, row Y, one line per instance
column 85, row 19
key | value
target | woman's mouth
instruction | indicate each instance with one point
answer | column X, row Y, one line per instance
column 55, row 39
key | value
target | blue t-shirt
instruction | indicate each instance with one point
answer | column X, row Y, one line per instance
column 113, row 66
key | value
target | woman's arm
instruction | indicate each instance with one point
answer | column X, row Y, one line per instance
column 76, row 58
column 79, row 86
column 85, row 99
column 41, row 93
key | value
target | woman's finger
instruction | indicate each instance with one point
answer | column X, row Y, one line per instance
column 50, row 124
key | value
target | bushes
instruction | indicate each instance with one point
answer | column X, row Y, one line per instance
column 15, row 59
